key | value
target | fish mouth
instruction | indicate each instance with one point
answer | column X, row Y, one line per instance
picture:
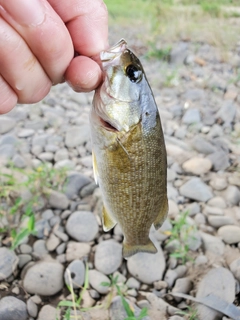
column 108, row 56
column 107, row 125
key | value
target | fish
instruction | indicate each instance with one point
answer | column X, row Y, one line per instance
column 128, row 150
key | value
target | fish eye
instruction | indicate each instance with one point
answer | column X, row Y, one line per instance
column 133, row 73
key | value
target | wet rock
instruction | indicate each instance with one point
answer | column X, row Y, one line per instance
column 8, row 263
column 82, row 226
column 12, row 308
column 95, row 280
column 147, row 267
column 108, row 256
column 6, row 124
column 75, row 274
column 229, row 234
column 44, row 278
column 210, row 284
column 197, row 165
column 196, row 189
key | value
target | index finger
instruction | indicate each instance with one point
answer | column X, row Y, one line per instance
column 87, row 23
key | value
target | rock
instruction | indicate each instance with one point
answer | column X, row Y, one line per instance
column 65, row 164
column 197, row 165
column 19, row 161
column 48, row 313
column 87, row 300
column 108, row 256
column 61, row 154
column 147, row 267
column 12, row 308
column 52, row 242
column 82, row 226
column 44, row 278
column 7, row 151
column 232, row 195
column 229, row 234
column 235, row 268
column 191, row 116
column 23, row 260
column 77, row 135
column 42, row 228
column 74, row 183
column 218, row 183
column 182, row 285
column 117, row 311
column 219, row 221
column 227, row 112
column 25, row 133
column 95, row 280
column 213, row 211
column 212, row 244
column 46, row 156
column 201, row 260
column 39, row 247
column 75, row 271
column 77, row 250
column 179, row 53
column 219, row 160
column 8, row 263
column 6, row 124
column 133, row 283
column 196, row 189
column 32, row 308
column 192, row 209
column 173, row 210
column 202, row 145
column 217, row 202
column 210, row 284
column 58, row 200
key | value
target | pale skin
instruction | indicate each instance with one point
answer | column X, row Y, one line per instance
column 38, row 39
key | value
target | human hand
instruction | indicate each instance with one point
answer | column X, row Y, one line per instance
column 37, row 43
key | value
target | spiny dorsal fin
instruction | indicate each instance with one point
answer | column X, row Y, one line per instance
column 107, row 220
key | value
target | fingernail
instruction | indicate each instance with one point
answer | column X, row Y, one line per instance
column 25, row 12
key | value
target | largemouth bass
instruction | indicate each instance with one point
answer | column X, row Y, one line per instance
column 129, row 154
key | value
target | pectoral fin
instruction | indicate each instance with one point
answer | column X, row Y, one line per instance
column 107, row 220
column 162, row 214
column 95, row 171
column 129, row 250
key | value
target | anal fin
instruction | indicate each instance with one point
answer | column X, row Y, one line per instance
column 129, row 250
column 162, row 214
column 95, row 170
column 107, row 221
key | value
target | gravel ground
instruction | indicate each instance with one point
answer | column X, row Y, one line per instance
column 198, row 98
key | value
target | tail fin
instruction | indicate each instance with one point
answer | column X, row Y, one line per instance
column 129, row 250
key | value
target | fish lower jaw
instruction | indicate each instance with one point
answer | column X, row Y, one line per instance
column 107, row 125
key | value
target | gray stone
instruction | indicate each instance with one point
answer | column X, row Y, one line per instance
column 108, row 256
column 219, row 160
column 19, row 161
column 52, row 242
column 61, row 248
column 196, row 189
column 58, row 200
column 74, row 183
column 147, row 267
column 213, row 211
column 25, row 248
column 6, row 124
column 36, row 150
column 210, row 284
column 76, row 136
column 65, row 164
column 47, row 214
column 61, row 154
column 48, row 313
column 32, row 308
column 197, row 165
column 42, row 228
column 88, row 189
column 212, row 244
column 75, row 274
column 235, row 268
column 219, row 221
column 46, row 156
column 182, row 285
column 201, row 260
column 179, row 53
column 227, row 112
column 117, row 311
column 8, row 263
column 133, row 283
column 191, row 116
column 7, row 151
column 218, row 202
column 202, row 145
column 40, row 248
column 44, row 278
column 25, row 133
column 229, row 234
column 23, row 260
column 77, row 250
column 9, row 139
column 82, row 226
column 194, row 95
column 232, row 195
column 218, row 183
column 95, row 280
column 51, row 148
column 12, row 308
